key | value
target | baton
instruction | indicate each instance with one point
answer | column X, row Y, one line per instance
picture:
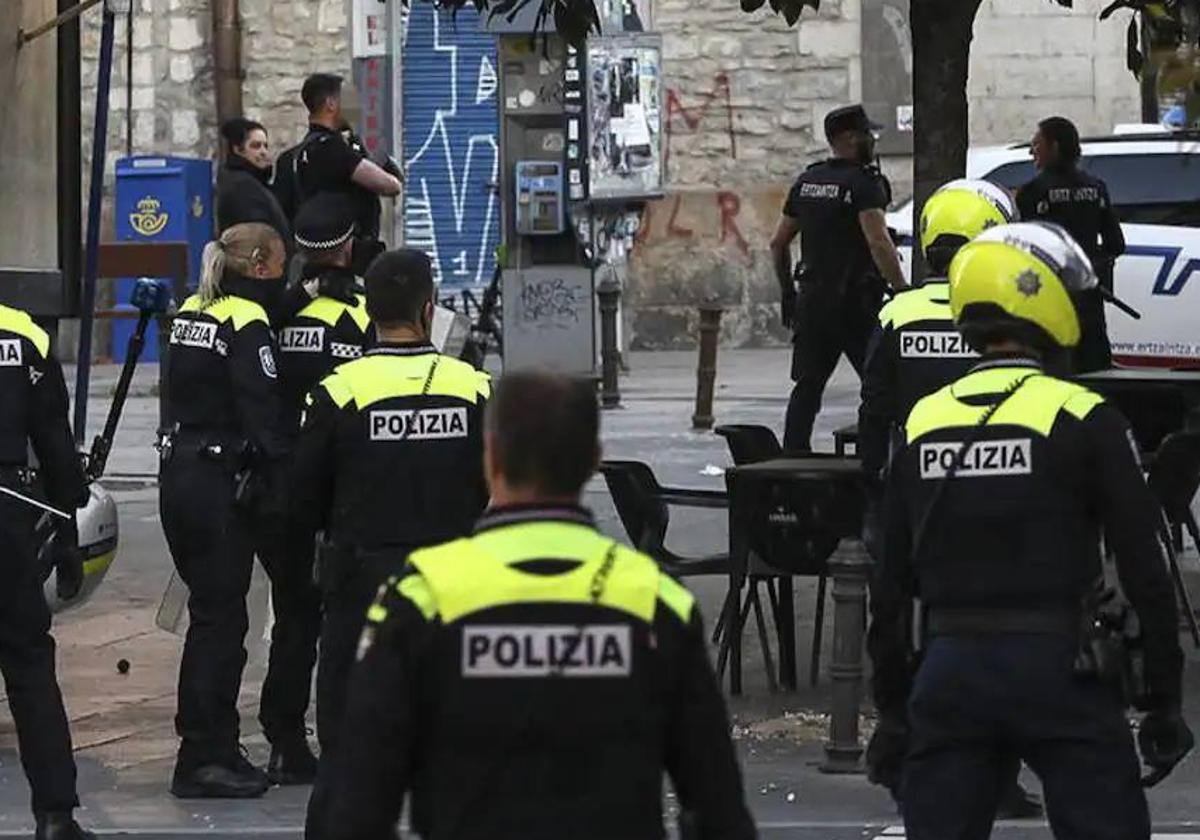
column 1109, row 297
column 21, row 497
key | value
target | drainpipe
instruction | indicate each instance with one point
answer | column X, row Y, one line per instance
column 227, row 58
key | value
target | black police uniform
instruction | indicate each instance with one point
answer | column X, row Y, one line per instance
column 331, row 329
column 223, row 402
column 325, row 161
column 533, row 680
column 1002, row 566
column 839, row 291
column 915, row 350
column 389, row 460
column 1080, row 203
column 34, row 411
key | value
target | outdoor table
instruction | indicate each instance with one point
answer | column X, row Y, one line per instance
column 831, row 487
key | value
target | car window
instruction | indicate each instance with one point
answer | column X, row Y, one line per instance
column 1145, row 189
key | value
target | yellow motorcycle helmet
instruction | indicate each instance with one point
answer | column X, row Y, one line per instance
column 957, row 213
column 1020, row 274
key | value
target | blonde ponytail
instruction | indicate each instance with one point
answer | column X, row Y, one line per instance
column 239, row 251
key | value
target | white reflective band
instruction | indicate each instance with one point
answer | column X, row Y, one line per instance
column 419, row 424
column 193, row 333
column 1013, row 456
column 302, row 339
column 597, row 650
column 934, row 345
column 10, row 352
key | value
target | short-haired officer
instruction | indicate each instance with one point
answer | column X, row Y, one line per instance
column 916, row 348
column 331, row 158
column 1066, row 195
column 33, row 414
column 221, row 479
column 537, row 678
column 832, row 302
column 995, row 510
column 389, row 460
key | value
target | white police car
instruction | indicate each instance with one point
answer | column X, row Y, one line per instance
column 1153, row 177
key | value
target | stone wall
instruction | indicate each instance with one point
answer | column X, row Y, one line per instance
column 743, row 113
column 173, row 104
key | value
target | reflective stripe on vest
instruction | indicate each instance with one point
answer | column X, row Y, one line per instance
column 1034, row 406
column 477, row 573
column 19, row 322
column 373, row 378
column 930, row 302
column 239, row 311
column 330, row 310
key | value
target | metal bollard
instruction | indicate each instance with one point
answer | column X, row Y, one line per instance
column 850, row 567
column 609, row 292
column 706, row 372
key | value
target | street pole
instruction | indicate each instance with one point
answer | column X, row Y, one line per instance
column 706, row 370
column 850, row 566
column 609, row 293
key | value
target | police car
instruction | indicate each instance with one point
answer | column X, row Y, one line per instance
column 1153, row 177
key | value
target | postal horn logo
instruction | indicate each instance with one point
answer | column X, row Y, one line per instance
column 149, row 219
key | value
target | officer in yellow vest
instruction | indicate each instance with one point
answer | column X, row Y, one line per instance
column 536, row 678
column 916, row 349
column 221, row 476
column 330, row 329
column 390, row 459
column 996, row 505
column 33, row 415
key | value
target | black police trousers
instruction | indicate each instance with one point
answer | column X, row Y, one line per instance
column 296, row 602
column 829, row 322
column 212, row 543
column 1094, row 351
column 977, row 702
column 27, row 664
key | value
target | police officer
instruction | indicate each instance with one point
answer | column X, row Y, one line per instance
column 331, row 158
column 916, row 348
column 608, row 681
column 832, row 303
column 330, row 329
column 221, row 480
column 1079, row 202
column 33, row 411
column 389, row 460
column 995, row 508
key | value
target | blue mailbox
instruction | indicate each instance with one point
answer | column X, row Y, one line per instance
column 161, row 199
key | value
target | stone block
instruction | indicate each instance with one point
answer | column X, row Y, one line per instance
column 184, row 33
column 185, row 128
column 1019, row 36
column 830, row 38
column 721, row 46
column 182, row 69
column 143, row 33
column 1032, row 77
column 143, row 131
column 331, row 16
column 143, row 70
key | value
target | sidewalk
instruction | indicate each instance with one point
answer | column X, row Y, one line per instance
column 122, row 724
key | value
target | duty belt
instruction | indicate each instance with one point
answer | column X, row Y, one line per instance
column 13, row 475
column 966, row 621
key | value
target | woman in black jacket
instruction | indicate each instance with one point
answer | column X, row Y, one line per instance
column 242, row 191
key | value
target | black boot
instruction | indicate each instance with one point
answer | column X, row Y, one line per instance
column 1018, row 804
column 235, row 778
column 292, row 763
column 60, row 825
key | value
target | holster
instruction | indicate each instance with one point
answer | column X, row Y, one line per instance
column 339, row 566
column 1110, row 648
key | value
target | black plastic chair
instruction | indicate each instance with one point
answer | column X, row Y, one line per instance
column 643, row 506
column 750, row 444
column 1173, row 473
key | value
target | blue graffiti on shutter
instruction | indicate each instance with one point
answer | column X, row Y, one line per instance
column 451, row 144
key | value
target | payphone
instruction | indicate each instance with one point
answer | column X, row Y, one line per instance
column 539, row 207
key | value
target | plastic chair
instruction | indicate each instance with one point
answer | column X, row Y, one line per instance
column 750, row 444
column 1174, row 475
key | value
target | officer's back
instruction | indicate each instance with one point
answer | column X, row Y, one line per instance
column 535, row 679
column 389, row 455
